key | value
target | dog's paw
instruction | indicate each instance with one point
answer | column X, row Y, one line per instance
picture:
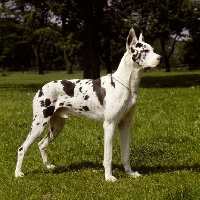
column 135, row 174
column 19, row 174
column 49, row 166
column 111, row 179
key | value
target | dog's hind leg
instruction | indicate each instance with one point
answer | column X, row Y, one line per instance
column 56, row 126
column 36, row 130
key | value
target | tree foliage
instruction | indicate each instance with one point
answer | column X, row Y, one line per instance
column 67, row 33
column 165, row 20
column 192, row 47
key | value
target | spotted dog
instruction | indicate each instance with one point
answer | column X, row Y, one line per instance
column 110, row 99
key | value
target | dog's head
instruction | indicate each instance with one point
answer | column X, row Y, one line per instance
column 141, row 52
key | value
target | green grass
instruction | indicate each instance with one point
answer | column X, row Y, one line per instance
column 165, row 144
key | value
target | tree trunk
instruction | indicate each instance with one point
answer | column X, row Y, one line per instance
column 64, row 16
column 107, row 55
column 166, row 57
column 91, row 57
column 65, row 58
column 71, row 60
column 39, row 63
column 38, row 59
column 167, row 66
column 70, row 69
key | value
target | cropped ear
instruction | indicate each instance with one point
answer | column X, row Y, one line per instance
column 141, row 38
column 131, row 39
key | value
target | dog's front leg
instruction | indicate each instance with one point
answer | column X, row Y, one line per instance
column 109, row 130
column 124, row 130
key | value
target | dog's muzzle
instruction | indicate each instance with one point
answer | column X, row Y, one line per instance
column 160, row 58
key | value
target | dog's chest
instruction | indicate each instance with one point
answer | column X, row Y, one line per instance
column 126, row 106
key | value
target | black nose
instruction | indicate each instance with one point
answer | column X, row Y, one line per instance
column 160, row 58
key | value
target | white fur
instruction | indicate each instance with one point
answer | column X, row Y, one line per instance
column 110, row 100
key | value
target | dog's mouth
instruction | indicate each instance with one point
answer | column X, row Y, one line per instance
column 160, row 63
column 146, row 68
column 159, row 59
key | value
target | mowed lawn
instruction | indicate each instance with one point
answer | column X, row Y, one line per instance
column 165, row 144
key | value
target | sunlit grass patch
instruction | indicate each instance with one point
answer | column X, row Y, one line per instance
column 165, row 144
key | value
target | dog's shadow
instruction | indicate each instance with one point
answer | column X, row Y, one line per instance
column 144, row 170
column 77, row 167
column 147, row 170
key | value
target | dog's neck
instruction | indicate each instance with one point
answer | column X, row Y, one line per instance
column 129, row 73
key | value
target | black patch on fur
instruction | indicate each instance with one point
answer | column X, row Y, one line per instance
column 86, row 97
column 69, row 104
column 37, row 124
column 45, row 103
column 88, row 82
column 134, row 57
column 80, row 89
column 34, row 117
column 61, row 104
column 132, row 50
column 21, row 148
column 112, row 82
column 45, row 123
column 40, row 92
column 68, row 87
column 138, row 45
column 144, row 56
column 42, row 104
column 85, row 108
column 139, row 56
column 78, row 81
column 100, row 91
column 48, row 111
column 146, row 50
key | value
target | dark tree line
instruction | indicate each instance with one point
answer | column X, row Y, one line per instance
column 88, row 34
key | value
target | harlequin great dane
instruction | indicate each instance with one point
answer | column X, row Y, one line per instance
column 110, row 99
